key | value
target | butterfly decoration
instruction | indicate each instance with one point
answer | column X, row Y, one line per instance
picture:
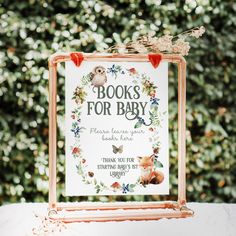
column 141, row 122
column 117, row 149
column 125, row 188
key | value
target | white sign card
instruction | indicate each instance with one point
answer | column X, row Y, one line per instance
column 116, row 128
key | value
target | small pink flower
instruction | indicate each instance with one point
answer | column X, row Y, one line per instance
column 152, row 93
column 132, row 71
column 75, row 150
column 116, row 185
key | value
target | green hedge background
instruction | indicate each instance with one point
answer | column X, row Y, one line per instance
column 30, row 31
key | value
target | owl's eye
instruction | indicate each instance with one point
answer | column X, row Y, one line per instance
column 99, row 71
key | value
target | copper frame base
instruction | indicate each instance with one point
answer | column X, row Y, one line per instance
column 104, row 212
column 81, row 212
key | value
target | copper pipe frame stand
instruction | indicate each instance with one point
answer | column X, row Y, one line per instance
column 101, row 212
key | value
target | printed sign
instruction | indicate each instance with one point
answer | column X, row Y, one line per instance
column 116, row 128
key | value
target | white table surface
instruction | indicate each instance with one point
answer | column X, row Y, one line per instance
column 209, row 219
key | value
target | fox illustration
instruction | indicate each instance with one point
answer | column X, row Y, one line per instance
column 148, row 174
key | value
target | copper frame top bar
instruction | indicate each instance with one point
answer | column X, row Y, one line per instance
column 63, row 57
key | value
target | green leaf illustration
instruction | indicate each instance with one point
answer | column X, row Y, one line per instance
column 131, row 188
column 138, row 125
column 154, row 106
column 79, row 169
column 131, row 185
column 158, row 164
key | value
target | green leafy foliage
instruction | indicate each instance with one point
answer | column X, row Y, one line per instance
column 138, row 124
column 158, row 164
column 30, row 31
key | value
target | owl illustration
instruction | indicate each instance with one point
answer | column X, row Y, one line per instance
column 98, row 76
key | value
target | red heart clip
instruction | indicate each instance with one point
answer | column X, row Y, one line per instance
column 155, row 59
column 77, row 58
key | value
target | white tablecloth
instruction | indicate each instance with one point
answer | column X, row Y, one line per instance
column 209, row 219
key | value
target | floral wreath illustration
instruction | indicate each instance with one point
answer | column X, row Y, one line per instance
column 155, row 117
